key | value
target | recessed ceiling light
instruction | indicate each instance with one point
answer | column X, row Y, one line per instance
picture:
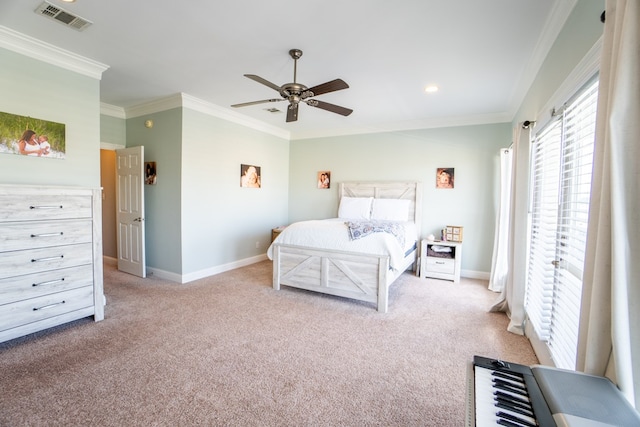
column 431, row 89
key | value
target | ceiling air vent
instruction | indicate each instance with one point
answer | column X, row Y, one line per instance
column 63, row 16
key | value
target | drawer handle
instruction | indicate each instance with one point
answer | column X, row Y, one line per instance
column 50, row 282
column 44, row 307
column 48, row 234
column 51, row 258
column 46, row 207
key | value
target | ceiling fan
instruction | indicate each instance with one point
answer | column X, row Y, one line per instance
column 296, row 92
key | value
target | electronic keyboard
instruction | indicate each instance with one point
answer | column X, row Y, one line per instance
column 501, row 393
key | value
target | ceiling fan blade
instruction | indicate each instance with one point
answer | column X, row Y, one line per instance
column 263, row 81
column 292, row 113
column 329, row 107
column 244, row 104
column 332, row 86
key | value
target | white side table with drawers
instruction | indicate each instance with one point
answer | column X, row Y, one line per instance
column 440, row 260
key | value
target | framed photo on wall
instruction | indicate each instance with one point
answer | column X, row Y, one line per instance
column 324, row 179
column 250, row 176
column 31, row 137
column 445, row 177
column 150, row 173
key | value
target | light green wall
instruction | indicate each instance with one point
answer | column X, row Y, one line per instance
column 113, row 130
column 197, row 216
column 32, row 88
column 221, row 222
column 163, row 214
column 411, row 155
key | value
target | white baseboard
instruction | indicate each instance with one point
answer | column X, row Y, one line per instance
column 470, row 274
column 222, row 268
column 163, row 274
column 109, row 260
column 186, row 278
column 540, row 348
column 190, row 277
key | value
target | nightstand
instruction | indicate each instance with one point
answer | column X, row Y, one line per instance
column 440, row 260
column 276, row 231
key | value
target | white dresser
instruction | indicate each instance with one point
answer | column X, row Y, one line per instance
column 50, row 257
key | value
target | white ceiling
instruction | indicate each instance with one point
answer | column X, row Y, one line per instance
column 482, row 54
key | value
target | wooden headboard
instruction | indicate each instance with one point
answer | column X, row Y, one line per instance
column 409, row 190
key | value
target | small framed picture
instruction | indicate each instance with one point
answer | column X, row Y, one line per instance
column 250, row 176
column 324, row 179
column 150, row 173
column 444, row 177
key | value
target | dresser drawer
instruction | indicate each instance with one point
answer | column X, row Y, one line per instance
column 31, row 261
column 441, row 265
column 14, row 289
column 44, row 307
column 16, row 236
column 29, row 207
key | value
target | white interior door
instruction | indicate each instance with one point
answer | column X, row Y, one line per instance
column 130, row 210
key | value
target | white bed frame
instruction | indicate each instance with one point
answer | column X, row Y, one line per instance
column 363, row 277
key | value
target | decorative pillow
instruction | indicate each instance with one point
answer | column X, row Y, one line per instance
column 390, row 209
column 355, row 207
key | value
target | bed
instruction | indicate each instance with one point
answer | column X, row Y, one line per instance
column 361, row 269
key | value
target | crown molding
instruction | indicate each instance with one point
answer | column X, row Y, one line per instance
column 154, row 106
column 183, row 100
column 231, row 116
column 431, row 123
column 112, row 111
column 42, row 51
column 187, row 101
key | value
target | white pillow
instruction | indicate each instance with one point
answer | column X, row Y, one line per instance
column 355, row 207
column 390, row 209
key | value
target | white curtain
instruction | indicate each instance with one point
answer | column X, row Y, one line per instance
column 511, row 299
column 499, row 262
column 609, row 340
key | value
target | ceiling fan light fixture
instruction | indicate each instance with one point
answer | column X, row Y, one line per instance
column 295, row 92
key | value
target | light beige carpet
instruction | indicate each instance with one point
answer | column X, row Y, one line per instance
column 230, row 351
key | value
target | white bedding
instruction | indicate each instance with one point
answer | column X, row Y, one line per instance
column 333, row 234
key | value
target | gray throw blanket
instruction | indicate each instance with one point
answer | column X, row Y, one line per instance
column 360, row 229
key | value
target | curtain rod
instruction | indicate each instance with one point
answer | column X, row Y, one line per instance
column 558, row 112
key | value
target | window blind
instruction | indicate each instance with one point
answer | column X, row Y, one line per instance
column 545, row 170
column 562, row 161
